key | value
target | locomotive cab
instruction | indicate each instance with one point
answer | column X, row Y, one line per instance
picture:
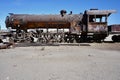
column 96, row 23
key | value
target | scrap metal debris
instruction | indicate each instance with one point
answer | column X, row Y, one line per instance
column 6, row 45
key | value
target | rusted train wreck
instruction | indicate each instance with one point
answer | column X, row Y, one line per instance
column 89, row 26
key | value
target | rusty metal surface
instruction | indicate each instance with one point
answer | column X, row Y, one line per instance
column 41, row 21
column 37, row 18
column 47, row 25
column 115, row 28
column 97, row 27
column 101, row 12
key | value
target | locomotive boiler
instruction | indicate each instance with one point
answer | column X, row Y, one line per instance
column 89, row 26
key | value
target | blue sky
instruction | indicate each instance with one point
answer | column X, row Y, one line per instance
column 54, row 6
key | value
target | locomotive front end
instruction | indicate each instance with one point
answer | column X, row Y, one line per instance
column 7, row 22
column 11, row 21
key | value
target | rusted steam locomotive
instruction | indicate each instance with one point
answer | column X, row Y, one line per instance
column 89, row 26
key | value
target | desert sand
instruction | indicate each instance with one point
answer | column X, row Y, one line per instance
column 96, row 61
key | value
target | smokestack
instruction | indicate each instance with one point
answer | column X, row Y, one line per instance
column 63, row 12
column 70, row 13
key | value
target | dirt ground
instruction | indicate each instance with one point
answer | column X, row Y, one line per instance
column 89, row 61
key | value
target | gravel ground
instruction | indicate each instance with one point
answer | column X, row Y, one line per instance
column 99, row 61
